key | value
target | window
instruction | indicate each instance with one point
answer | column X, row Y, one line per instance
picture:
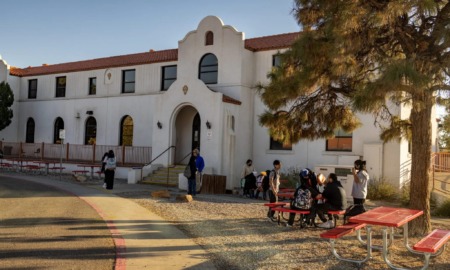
column 32, row 89
column 92, row 86
column 276, row 60
column 169, row 75
column 342, row 141
column 276, row 145
column 61, row 86
column 208, row 69
column 90, row 133
column 209, row 38
column 128, row 80
column 30, row 131
column 59, row 124
column 126, row 131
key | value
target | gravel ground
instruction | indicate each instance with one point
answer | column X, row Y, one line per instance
column 238, row 236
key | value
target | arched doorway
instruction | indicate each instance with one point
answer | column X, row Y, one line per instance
column 186, row 135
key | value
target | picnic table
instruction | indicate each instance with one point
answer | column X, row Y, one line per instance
column 88, row 166
column 388, row 218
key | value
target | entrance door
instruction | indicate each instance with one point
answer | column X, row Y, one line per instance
column 196, row 132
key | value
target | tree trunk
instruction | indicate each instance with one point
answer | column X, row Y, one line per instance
column 420, row 163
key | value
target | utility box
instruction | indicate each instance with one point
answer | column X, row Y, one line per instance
column 343, row 173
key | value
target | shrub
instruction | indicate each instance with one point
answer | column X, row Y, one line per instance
column 382, row 190
column 292, row 177
column 443, row 210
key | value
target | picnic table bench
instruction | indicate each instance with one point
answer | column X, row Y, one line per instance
column 432, row 245
column 281, row 210
column 343, row 230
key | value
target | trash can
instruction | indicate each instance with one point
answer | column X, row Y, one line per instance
column 134, row 175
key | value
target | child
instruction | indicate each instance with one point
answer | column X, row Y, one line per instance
column 259, row 181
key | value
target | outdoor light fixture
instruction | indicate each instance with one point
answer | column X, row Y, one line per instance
column 208, row 124
column 159, row 125
column 89, row 112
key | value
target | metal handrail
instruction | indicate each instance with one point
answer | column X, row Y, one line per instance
column 170, row 147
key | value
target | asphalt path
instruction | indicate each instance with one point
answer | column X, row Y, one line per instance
column 46, row 228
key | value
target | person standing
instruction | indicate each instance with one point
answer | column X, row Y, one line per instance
column 110, row 169
column 192, row 185
column 104, row 158
column 247, row 175
column 199, row 165
column 274, row 186
column 361, row 178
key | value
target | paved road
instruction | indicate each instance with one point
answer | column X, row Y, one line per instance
column 45, row 228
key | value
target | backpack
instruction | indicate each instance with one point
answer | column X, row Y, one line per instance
column 303, row 200
column 110, row 163
column 353, row 210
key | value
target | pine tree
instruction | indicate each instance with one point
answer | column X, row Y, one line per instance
column 366, row 56
column 6, row 101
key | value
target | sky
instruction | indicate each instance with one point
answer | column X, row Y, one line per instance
column 36, row 32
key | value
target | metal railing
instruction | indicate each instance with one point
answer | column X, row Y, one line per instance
column 125, row 155
column 441, row 171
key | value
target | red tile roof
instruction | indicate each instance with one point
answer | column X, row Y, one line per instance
column 253, row 44
column 100, row 63
column 271, row 42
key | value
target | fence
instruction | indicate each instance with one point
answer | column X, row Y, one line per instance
column 130, row 155
column 441, row 172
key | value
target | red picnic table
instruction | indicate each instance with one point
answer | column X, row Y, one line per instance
column 388, row 218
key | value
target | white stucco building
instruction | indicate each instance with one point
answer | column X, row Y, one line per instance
column 201, row 94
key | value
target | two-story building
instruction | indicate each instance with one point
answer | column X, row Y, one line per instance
column 201, row 94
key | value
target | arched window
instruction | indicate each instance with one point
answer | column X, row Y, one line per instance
column 126, row 131
column 209, row 38
column 208, row 69
column 90, row 134
column 59, row 124
column 30, row 131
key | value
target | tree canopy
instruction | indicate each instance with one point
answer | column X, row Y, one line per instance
column 367, row 56
column 6, row 101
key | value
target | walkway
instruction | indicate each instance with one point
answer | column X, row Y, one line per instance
column 143, row 240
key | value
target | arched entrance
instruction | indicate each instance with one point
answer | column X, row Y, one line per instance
column 187, row 133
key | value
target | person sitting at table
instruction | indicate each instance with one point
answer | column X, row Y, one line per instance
column 110, row 169
column 305, row 184
column 335, row 199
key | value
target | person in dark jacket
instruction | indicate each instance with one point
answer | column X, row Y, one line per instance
column 192, row 184
column 266, row 185
column 335, row 199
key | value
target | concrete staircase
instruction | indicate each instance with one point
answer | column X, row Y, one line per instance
column 160, row 177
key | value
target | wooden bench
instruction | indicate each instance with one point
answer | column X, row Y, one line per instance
column 432, row 244
column 343, row 230
column 281, row 210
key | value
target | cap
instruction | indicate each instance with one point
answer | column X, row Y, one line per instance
column 304, row 173
column 263, row 173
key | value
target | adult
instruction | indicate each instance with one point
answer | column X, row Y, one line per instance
column 110, row 169
column 248, row 177
column 199, row 165
column 102, row 170
column 274, row 186
column 192, row 185
column 335, row 199
column 361, row 179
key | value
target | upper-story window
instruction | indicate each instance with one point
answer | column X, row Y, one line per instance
column 342, row 141
column 60, row 86
column 276, row 60
column 169, row 75
column 32, row 88
column 208, row 69
column 92, row 86
column 209, row 38
column 276, row 145
column 128, row 80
